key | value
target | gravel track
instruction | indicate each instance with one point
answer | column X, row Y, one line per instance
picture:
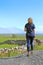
column 35, row 59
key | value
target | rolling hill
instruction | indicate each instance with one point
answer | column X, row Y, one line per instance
column 11, row 31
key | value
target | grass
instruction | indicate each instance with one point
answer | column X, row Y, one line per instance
column 38, row 47
column 8, row 45
column 4, row 38
column 12, row 38
column 10, row 54
column 39, row 37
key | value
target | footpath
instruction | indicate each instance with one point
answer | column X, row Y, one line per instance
column 35, row 59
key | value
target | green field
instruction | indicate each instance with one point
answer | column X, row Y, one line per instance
column 4, row 38
column 39, row 37
column 17, row 37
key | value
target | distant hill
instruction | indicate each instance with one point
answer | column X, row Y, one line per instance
column 11, row 31
column 14, row 31
column 40, row 34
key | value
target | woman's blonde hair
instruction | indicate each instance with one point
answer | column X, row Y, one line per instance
column 30, row 20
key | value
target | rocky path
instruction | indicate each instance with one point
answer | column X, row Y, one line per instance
column 35, row 59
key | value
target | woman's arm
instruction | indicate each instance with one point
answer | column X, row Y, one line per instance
column 25, row 29
column 34, row 32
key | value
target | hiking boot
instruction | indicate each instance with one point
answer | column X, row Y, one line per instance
column 31, row 52
column 28, row 53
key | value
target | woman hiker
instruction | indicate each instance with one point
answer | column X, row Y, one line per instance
column 30, row 35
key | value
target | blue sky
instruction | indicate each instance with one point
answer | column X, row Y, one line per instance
column 14, row 13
